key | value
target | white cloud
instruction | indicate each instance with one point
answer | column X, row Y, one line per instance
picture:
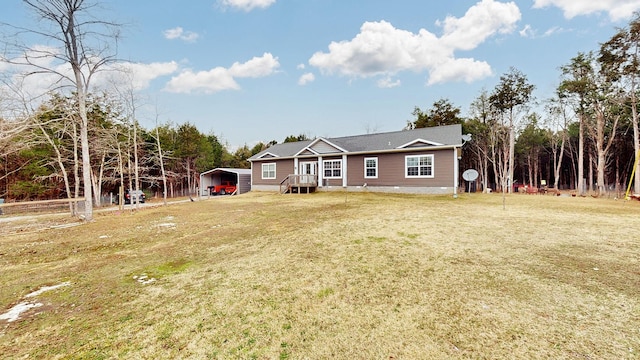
column 616, row 9
column 34, row 88
column 379, row 49
column 382, row 50
column 140, row 75
column 527, row 32
column 481, row 21
column 306, row 78
column 300, row 67
column 26, row 82
column 467, row 70
column 554, row 30
column 256, row 67
column 247, row 5
column 219, row 78
column 179, row 33
column 214, row 80
column 388, row 82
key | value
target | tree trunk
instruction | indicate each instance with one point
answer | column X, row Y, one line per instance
column 602, row 143
column 535, row 171
column 512, row 147
column 164, row 174
column 580, row 179
column 496, row 175
column 121, row 169
column 135, row 160
column 76, row 166
column 485, row 174
column 188, row 176
column 73, row 46
column 86, row 160
column 65, row 174
column 636, row 143
column 97, row 181
column 529, row 169
column 558, row 164
column 591, row 162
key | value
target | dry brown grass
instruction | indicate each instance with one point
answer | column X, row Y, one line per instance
column 332, row 275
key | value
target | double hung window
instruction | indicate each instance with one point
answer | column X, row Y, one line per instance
column 332, row 169
column 371, row 168
column 419, row 166
column 269, row 171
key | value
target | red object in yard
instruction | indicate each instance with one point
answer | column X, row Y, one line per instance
column 227, row 187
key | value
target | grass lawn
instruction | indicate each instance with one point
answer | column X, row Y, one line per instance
column 329, row 275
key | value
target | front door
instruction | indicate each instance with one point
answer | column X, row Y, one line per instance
column 308, row 168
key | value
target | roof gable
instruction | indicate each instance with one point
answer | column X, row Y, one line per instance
column 324, row 146
column 267, row 155
column 419, row 143
column 307, row 151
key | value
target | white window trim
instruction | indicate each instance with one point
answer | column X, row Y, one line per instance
column 324, row 168
column 406, row 167
column 274, row 171
column 365, row 167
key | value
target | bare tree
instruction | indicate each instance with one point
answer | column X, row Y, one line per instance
column 80, row 41
column 558, row 120
column 161, row 161
column 603, row 131
column 55, row 125
column 512, row 95
column 124, row 89
column 480, row 126
column 575, row 87
column 620, row 58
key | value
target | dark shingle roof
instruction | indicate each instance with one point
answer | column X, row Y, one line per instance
column 449, row 135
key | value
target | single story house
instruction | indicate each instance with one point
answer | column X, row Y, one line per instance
column 240, row 177
column 411, row 161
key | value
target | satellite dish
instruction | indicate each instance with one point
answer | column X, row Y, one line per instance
column 470, row 175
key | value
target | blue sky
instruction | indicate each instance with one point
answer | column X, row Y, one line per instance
column 260, row 70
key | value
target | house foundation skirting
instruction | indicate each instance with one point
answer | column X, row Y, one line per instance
column 380, row 189
column 391, row 189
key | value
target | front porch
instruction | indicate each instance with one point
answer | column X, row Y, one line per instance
column 299, row 184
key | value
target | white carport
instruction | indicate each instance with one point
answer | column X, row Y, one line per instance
column 240, row 177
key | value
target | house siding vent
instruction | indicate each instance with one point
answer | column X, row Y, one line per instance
column 307, row 152
column 419, row 145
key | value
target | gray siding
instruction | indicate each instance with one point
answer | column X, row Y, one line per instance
column 284, row 168
column 324, row 148
column 391, row 170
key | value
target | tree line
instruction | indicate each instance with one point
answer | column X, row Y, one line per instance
column 43, row 160
column 584, row 136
